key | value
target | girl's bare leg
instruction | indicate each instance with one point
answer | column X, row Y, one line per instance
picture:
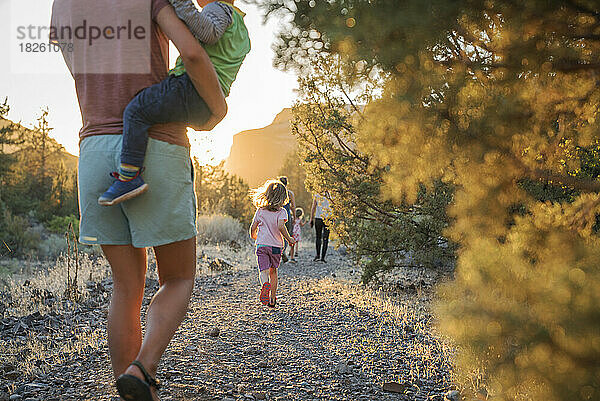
column 263, row 277
column 273, row 281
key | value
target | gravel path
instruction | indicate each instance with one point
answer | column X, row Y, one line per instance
column 327, row 339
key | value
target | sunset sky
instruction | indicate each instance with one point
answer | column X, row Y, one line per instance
column 259, row 93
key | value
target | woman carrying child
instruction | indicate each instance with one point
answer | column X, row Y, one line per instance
column 269, row 231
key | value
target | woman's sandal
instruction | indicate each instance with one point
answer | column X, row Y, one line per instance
column 272, row 303
column 133, row 388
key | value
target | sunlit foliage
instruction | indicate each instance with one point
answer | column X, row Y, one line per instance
column 220, row 192
column 39, row 183
column 498, row 98
column 293, row 169
column 35, row 184
column 381, row 234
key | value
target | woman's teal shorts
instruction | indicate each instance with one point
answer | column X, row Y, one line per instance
column 166, row 213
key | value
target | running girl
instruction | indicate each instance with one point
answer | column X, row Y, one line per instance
column 269, row 231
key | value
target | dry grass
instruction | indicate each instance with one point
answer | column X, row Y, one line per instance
column 240, row 258
column 42, row 287
column 28, row 290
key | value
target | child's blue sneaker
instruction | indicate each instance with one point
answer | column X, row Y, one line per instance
column 121, row 191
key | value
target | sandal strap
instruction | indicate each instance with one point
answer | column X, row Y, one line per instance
column 149, row 379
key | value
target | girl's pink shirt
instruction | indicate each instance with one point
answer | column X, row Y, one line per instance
column 268, row 227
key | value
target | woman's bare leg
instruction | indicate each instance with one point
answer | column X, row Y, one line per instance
column 176, row 271
column 128, row 266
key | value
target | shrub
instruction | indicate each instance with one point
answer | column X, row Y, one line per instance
column 220, row 228
column 381, row 234
column 60, row 224
column 16, row 236
column 498, row 98
column 219, row 192
column 52, row 246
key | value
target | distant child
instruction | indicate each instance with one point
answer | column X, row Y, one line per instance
column 269, row 231
column 221, row 29
column 297, row 233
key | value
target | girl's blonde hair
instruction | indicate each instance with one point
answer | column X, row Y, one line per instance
column 272, row 195
column 299, row 213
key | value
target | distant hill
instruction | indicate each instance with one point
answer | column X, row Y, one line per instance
column 69, row 160
column 258, row 154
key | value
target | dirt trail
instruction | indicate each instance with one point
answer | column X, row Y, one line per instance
column 327, row 339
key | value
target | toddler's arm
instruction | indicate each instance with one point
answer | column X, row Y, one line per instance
column 207, row 25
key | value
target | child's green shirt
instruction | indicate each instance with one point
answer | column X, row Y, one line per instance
column 229, row 51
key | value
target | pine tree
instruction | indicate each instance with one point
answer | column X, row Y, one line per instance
column 498, row 98
column 293, row 169
column 220, row 192
column 7, row 138
column 381, row 234
column 38, row 149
